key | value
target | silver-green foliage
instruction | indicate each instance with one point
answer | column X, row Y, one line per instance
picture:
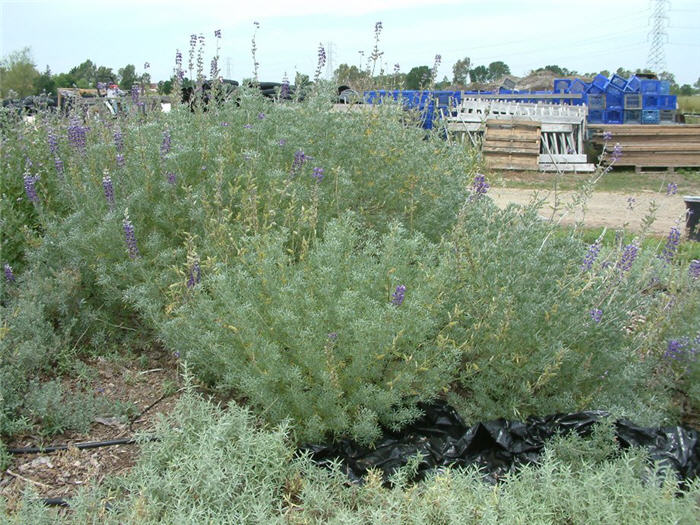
column 321, row 340
column 219, row 466
column 530, row 343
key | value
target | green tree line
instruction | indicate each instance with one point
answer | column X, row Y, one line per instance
column 19, row 76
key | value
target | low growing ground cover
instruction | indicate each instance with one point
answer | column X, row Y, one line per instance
column 328, row 271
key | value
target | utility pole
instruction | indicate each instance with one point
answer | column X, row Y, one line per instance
column 330, row 51
column 656, row 61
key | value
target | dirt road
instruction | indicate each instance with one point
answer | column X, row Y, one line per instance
column 605, row 208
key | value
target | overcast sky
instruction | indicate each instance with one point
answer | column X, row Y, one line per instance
column 585, row 35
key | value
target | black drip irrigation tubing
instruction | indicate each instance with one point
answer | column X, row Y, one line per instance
column 62, row 502
column 79, row 446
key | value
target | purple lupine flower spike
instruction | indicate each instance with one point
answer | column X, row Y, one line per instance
column 171, row 177
column 299, row 159
column 672, row 242
column 591, row 256
column 9, row 275
column 629, row 254
column 616, row 152
column 109, row 190
column 671, row 188
column 318, row 174
column 694, row 269
column 77, row 135
column 479, row 185
column 596, row 315
column 398, row 296
column 118, row 140
column 130, row 237
column 284, row 88
column 30, row 188
column 120, row 160
column 53, row 142
column 195, row 275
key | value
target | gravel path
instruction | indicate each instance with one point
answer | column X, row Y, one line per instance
column 605, row 208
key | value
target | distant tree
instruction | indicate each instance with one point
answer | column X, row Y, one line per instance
column 17, row 73
column 105, row 75
column 64, row 80
column 301, row 80
column 444, row 83
column 350, row 75
column 557, row 70
column 685, row 90
column 127, row 77
column 665, row 75
column 626, row 73
column 479, row 74
column 45, row 83
column 697, row 84
column 85, row 74
column 605, row 72
column 418, row 78
column 165, row 87
column 460, row 71
column 498, row 70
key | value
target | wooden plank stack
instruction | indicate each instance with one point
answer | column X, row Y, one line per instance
column 512, row 144
column 660, row 146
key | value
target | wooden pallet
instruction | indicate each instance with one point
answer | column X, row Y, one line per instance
column 652, row 146
column 512, row 144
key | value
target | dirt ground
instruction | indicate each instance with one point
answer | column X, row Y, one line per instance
column 613, row 210
column 153, row 390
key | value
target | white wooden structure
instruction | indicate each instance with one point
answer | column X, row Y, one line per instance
column 563, row 128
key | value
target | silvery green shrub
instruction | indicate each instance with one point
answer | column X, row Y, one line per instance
column 324, row 340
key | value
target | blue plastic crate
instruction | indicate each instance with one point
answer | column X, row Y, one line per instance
column 595, row 116
column 562, row 85
column 618, row 81
column 613, row 98
column 667, row 115
column 633, row 85
column 596, row 100
column 614, row 115
column 650, row 101
column 600, row 81
column 667, row 101
column 633, row 101
column 664, row 87
column 632, row 116
column 577, row 86
column 648, row 85
column 650, row 116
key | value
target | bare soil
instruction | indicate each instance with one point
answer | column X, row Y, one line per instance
column 611, row 209
column 62, row 473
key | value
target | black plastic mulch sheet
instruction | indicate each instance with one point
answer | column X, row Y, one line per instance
column 497, row 447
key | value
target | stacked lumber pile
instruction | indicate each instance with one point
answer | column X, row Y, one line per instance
column 512, row 144
column 643, row 146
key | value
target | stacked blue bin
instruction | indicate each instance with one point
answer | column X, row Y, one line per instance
column 617, row 100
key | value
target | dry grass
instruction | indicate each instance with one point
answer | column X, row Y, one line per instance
column 689, row 104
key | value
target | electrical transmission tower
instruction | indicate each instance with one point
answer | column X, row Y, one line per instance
column 658, row 36
column 330, row 51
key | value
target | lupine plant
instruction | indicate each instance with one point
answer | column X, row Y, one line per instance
column 237, row 234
